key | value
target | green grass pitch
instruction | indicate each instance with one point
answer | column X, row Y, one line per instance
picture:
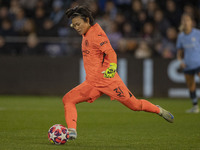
column 102, row 125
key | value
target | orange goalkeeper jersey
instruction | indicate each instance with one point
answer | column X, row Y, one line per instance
column 95, row 44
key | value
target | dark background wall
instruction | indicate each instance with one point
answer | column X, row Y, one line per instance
column 56, row 76
column 38, row 75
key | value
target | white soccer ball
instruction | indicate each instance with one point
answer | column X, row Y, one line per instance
column 58, row 134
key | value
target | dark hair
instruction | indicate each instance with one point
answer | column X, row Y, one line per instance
column 183, row 15
column 81, row 11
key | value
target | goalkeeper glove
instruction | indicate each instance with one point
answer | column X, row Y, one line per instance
column 110, row 72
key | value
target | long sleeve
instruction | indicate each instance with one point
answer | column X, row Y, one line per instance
column 112, row 57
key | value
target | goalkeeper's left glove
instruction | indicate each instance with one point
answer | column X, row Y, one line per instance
column 110, row 72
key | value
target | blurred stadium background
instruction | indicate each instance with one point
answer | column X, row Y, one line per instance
column 40, row 54
column 40, row 60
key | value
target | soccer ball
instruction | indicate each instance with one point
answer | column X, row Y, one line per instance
column 58, row 134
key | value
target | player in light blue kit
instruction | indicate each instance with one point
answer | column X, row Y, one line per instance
column 188, row 46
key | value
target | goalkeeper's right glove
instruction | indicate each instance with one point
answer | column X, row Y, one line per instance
column 110, row 71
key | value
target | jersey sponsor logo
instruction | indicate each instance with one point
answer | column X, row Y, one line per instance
column 102, row 43
column 119, row 92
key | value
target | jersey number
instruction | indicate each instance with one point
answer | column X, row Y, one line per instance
column 119, row 92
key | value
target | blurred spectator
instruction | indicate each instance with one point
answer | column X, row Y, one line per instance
column 14, row 7
column 4, row 13
column 63, row 29
column 123, row 5
column 28, row 4
column 127, row 46
column 161, row 23
column 149, row 33
column 153, row 22
column 93, row 6
column 135, row 10
column 104, row 22
column 19, row 20
column 48, row 28
column 114, row 36
column 141, row 20
column 6, row 28
column 120, row 20
column 74, row 4
column 189, row 9
column 145, row 3
column 33, row 47
column 167, row 54
column 192, row 11
column 46, row 5
column 143, row 51
column 173, row 13
column 57, row 13
column 167, row 46
column 40, row 4
column 39, row 18
column 110, row 9
column 29, row 27
column 151, row 8
column 136, row 6
column 127, row 30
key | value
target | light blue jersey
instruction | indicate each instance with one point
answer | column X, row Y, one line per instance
column 190, row 43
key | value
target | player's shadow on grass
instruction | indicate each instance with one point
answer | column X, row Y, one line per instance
column 79, row 146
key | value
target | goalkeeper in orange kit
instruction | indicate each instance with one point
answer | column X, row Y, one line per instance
column 100, row 63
